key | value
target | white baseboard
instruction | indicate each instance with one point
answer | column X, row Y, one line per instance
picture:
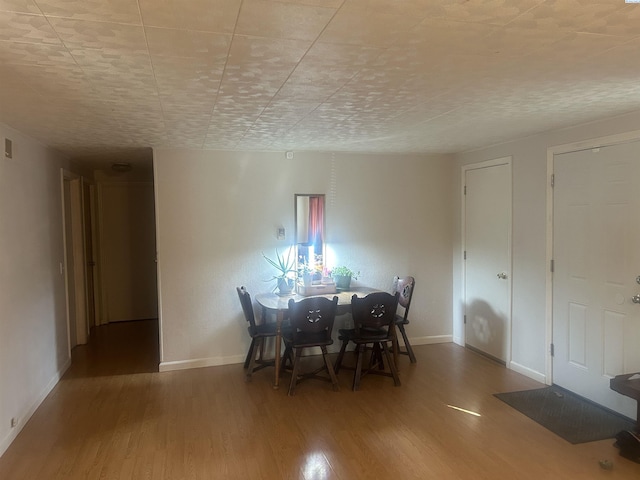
column 26, row 414
column 233, row 359
column 200, row 363
column 430, row 339
column 528, row 372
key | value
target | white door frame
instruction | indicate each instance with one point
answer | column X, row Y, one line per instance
column 473, row 166
column 78, row 249
column 92, row 204
column 551, row 152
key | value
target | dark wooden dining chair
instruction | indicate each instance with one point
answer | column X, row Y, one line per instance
column 311, row 324
column 259, row 332
column 373, row 319
column 404, row 286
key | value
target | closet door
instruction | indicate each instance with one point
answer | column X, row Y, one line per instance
column 487, row 234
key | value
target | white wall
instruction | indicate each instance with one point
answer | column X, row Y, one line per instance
column 33, row 332
column 217, row 212
column 529, row 347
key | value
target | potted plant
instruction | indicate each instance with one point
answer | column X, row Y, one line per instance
column 285, row 266
column 342, row 276
column 305, row 272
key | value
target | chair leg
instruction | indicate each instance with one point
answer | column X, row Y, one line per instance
column 392, row 365
column 332, row 374
column 358, row 372
column 252, row 361
column 288, row 354
column 376, row 357
column 338, row 363
column 249, row 353
column 395, row 344
column 294, row 373
column 262, row 349
column 407, row 345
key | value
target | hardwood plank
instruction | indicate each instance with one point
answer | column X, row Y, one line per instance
column 114, row 416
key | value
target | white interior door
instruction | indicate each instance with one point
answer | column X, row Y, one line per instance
column 596, row 238
column 487, row 236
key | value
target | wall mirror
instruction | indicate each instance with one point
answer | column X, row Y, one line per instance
column 310, row 235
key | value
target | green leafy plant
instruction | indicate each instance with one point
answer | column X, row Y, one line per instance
column 284, row 264
column 343, row 271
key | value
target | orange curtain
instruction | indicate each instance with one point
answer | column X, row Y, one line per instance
column 316, row 220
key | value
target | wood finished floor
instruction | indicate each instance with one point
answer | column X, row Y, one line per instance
column 113, row 416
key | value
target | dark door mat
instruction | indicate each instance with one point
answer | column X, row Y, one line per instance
column 566, row 414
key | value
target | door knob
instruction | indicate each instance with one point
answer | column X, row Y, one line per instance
column 635, row 299
column 503, row 276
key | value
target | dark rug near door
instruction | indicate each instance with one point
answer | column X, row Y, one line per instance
column 566, row 414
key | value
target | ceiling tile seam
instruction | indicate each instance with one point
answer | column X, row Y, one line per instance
column 310, row 112
column 36, row 2
column 222, row 76
column 541, row 2
column 372, row 61
column 591, row 56
column 86, row 20
column 8, row 10
column 153, row 71
column 160, row 27
column 620, row 8
column 627, row 38
column 66, row 48
column 337, row 10
column 18, row 42
column 596, row 56
column 25, row 14
column 382, row 50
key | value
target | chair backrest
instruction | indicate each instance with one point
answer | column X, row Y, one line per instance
column 312, row 315
column 404, row 286
column 247, row 308
column 374, row 311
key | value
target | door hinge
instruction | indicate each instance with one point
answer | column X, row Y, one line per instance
column 553, row 179
column 552, row 266
column 465, row 319
column 465, row 255
column 552, row 350
column 465, row 189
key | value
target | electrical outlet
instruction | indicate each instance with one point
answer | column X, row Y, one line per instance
column 14, row 422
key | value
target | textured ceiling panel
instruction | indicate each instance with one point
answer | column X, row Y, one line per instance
column 23, row 28
column 19, row 6
column 100, row 79
column 116, row 11
column 282, row 20
column 218, row 16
